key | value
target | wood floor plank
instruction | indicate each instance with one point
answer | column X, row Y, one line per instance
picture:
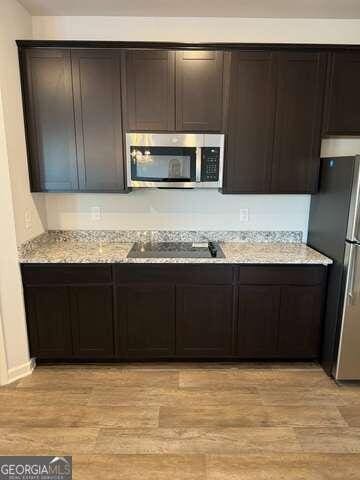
column 47, row 441
column 44, row 396
column 67, row 377
column 283, row 466
column 117, row 396
column 213, row 416
column 124, row 417
column 351, row 414
column 40, row 416
column 139, row 467
column 255, row 378
column 188, row 365
column 247, row 416
column 280, row 396
column 79, row 416
column 329, row 440
column 196, row 440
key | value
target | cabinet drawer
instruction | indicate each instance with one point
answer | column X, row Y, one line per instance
column 66, row 274
column 281, row 275
column 189, row 274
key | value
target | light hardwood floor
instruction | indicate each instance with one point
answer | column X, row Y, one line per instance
column 187, row 421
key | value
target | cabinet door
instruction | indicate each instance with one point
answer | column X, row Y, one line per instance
column 250, row 129
column 199, row 90
column 296, row 156
column 48, row 321
column 258, row 321
column 146, row 320
column 150, row 90
column 300, row 322
column 49, row 113
column 97, row 95
column 92, row 321
column 342, row 115
column 204, row 323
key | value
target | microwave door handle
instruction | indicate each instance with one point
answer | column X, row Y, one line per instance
column 198, row 164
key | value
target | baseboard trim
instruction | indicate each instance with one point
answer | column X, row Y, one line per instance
column 21, row 371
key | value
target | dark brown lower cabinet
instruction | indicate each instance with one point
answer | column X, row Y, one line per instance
column 70, row 321
column 144, row 312
column 146, row 320
column 48, row 321
column 281, row 322
column 258, row 321
column 300, row 321
column 92, row 321
column 204, row 323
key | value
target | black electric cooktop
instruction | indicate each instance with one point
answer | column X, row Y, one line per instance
column 176, row 250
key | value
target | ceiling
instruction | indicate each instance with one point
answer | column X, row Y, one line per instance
column 197, row 8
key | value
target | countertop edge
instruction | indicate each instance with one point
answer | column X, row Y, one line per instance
column 173, row 261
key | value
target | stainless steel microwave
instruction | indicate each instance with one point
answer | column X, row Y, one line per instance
column 175, row 160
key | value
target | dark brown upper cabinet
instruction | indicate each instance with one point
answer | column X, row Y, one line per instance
column 72, row 104
column 199, row 90
column 167, row 90
column 250, row 130
column 150, row 90
column 97, row 98
column 342, row 113
column 274, row 122
column 49, row 114
column 300, row 93
column 269, row 103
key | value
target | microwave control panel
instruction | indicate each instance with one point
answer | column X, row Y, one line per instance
column 210, row 164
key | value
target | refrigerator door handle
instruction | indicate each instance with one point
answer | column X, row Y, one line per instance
column 353, row 293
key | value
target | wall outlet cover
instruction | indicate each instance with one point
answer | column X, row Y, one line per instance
column 244, row 214
column 96, row 213
column 27, row 219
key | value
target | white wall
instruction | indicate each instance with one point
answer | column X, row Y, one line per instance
column 340, row 147
column 3, row 359
column 179, row 210
column 15, row 197
column 15, row 23
column 198, row 29
column 12, row 313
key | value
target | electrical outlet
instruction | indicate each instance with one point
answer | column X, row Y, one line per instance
column 27, row 220
column 95, row 213
column 244, row 214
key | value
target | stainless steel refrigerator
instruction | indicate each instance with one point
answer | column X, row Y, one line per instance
column 334, row 229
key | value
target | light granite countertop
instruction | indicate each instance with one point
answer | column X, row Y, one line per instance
column 50, row 250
